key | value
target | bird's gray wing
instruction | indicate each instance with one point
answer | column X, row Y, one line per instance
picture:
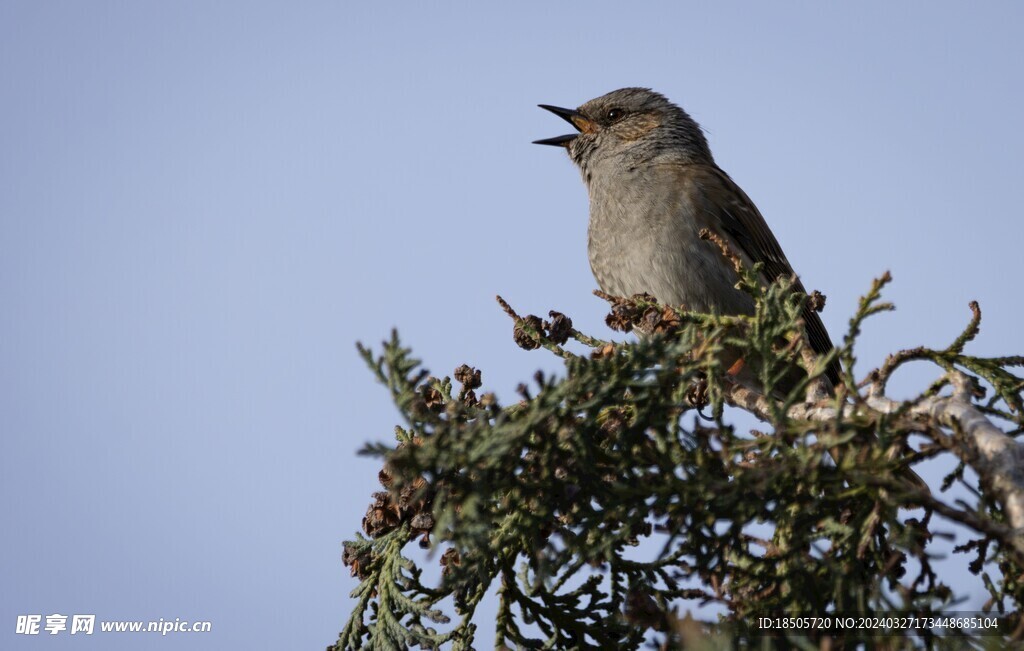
column 743, row 225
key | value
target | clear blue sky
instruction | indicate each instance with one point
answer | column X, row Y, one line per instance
column 204, row 205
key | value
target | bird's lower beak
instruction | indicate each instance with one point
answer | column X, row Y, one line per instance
column 575, row 118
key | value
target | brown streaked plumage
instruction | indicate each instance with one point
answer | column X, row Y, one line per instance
column 743, row 224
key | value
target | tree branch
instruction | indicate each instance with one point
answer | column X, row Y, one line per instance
column 997, row 458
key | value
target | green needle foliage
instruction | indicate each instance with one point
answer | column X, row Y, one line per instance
column 547, row 499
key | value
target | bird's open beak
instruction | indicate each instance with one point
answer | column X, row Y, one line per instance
column 575, row 118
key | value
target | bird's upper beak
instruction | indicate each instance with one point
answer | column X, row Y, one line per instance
column 575, row 118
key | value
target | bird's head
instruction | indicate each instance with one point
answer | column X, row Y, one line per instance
column 631, row 126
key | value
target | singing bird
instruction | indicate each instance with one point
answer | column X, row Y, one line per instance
column 653, row 187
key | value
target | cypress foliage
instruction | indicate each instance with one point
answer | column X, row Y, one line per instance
column 546, row 498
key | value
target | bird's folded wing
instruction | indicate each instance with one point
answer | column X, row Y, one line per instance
column 744, row 227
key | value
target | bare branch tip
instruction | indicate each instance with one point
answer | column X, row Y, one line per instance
column 507, row 308
column 723, row 246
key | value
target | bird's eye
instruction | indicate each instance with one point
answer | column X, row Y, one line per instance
column 615, row 114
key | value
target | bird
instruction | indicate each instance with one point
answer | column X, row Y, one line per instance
column 654, row 186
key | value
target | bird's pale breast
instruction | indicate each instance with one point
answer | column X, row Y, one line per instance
column 643, row 237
